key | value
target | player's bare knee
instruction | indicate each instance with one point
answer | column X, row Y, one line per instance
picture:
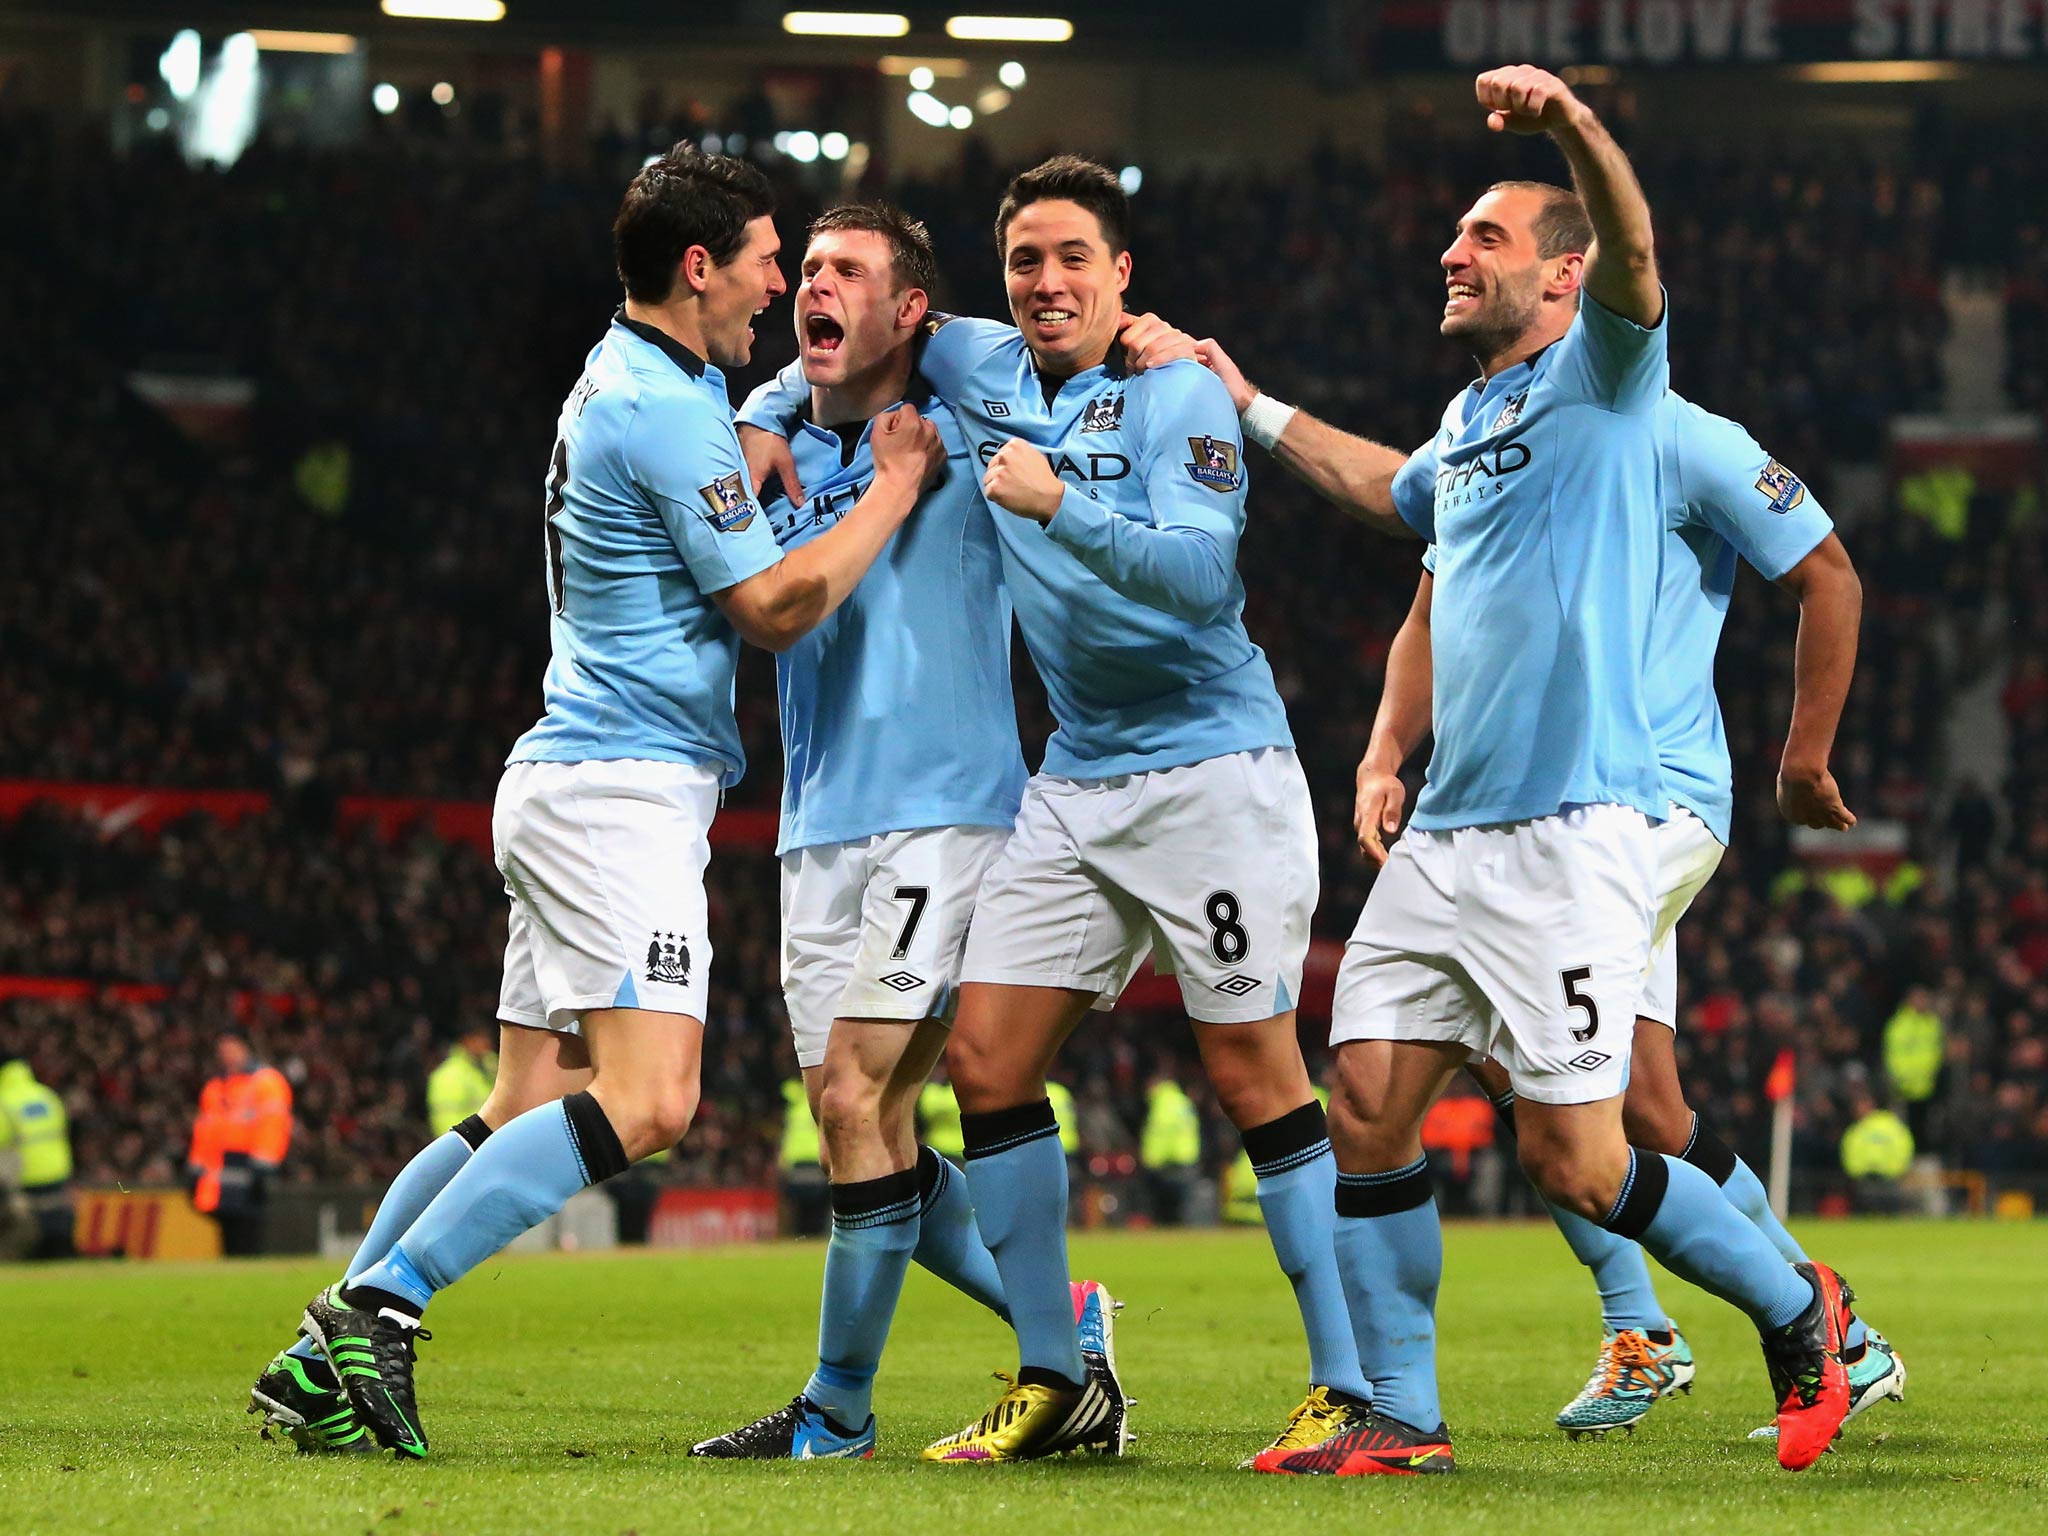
column 983, row 1075
column 1657, row 1123
column 1565, row 1177
column 849, row 1107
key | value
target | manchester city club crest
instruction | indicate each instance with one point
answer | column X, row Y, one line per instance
column 668, row 958
column 1215, row 462
column 731, row 507
column 1105, row 413
column 1510, row 411
column 1785, row 489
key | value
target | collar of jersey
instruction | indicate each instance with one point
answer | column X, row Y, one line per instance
column 677, row 353
column 915, row 392
column 1516, row 374
column 1116, row 365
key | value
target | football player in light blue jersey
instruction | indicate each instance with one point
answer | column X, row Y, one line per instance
column 902, row 780
column 1724, row 498
column 1517, row 914
column 658, row 561
column 1171, row 815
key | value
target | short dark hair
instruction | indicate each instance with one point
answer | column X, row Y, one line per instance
column 685, row 198
column 1072, row 179
column 911, row 257
column 1562, row 224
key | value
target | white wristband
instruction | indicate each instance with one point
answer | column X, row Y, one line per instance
column 1265, row 419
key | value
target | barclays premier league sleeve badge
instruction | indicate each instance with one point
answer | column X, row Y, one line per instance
column 1784, row 489
column 731, row 508
column 1215, row 463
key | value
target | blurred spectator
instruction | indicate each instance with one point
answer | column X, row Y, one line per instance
column 1913, row 1054
column 458, row 1087
column 239, row 1141
column 1877, row 1149
column 1170, row 1149
column 36, row 1132
column 801, row 1160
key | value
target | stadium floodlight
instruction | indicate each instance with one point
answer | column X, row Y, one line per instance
column 926, row 108
column 909, row 64
column 845, row 23
column 834, row 145
column 961, row 118
column 803, row 146
column 1009, row 29
column 922, row 78
column 1130, row 178
column 272, row 40
column 993, row 99
column 385, row 98
column 445, row 10
column 1012, row 74
column 443, row 93
column 180, row 65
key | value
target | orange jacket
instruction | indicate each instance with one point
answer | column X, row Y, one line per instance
column 1459, row 1125
column 249, row 1113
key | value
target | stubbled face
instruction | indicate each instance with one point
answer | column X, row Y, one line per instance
column 1066, row 286
column 1493, row 274
column 850, row 312
column 739, row 290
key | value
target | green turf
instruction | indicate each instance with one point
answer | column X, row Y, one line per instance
column 561, row 1392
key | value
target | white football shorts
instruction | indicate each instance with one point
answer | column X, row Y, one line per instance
column 1209, row 868
column 1525, row 940
column 875, row 928
column 604, row 862
column 1687, row 856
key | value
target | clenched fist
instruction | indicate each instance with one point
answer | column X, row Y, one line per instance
column 1525, row 99
column 1020, row 480
column 904, row 443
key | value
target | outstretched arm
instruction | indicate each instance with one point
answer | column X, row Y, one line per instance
column 1353, row 473
column 1621, row 266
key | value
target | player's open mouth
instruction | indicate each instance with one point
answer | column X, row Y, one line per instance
column 1051, row 319
column 1460, row 293
column 823, row 334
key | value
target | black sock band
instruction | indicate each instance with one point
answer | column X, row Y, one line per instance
column 1709, row 1153
column 473, row 1130
column 1642, row 1194
column 1039, row 1376
column 1504, row 1112
column 1297, row 1138
column 367, row 1298
column 876, row 1202
column 934, row 1173
column 1385, row 1194
column 1002, row 1129
column 596, row 1142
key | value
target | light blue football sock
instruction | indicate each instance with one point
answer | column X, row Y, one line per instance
column 411, row 1193
column 948, row 1242
column 1745, row 1191
column 1390, row 1251
column 874, row 1230
column 1620, row 1272
column 1628, row 1299
column 305, row 1349
column 1018, row 1177
column 521, row 1176
column 1297, row 1191
column 1680, row 1215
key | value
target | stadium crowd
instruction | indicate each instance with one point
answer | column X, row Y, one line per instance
column 347, row 600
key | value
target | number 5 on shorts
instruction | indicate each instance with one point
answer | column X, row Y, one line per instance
column 1574, row 998
column 917, row 896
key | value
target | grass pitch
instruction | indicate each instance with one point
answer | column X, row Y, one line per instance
column 560, row 1395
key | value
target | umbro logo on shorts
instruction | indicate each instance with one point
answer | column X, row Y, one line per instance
column 668, row 958
column 1586, row 1061
column 902, row 981
column 1236, row 986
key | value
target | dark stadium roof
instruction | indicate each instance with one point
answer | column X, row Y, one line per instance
column 1189, row 24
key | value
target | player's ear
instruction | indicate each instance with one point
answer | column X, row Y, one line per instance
column 695, row 268
column 910, row 312
column 1568, row 274
column 1123, row 270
